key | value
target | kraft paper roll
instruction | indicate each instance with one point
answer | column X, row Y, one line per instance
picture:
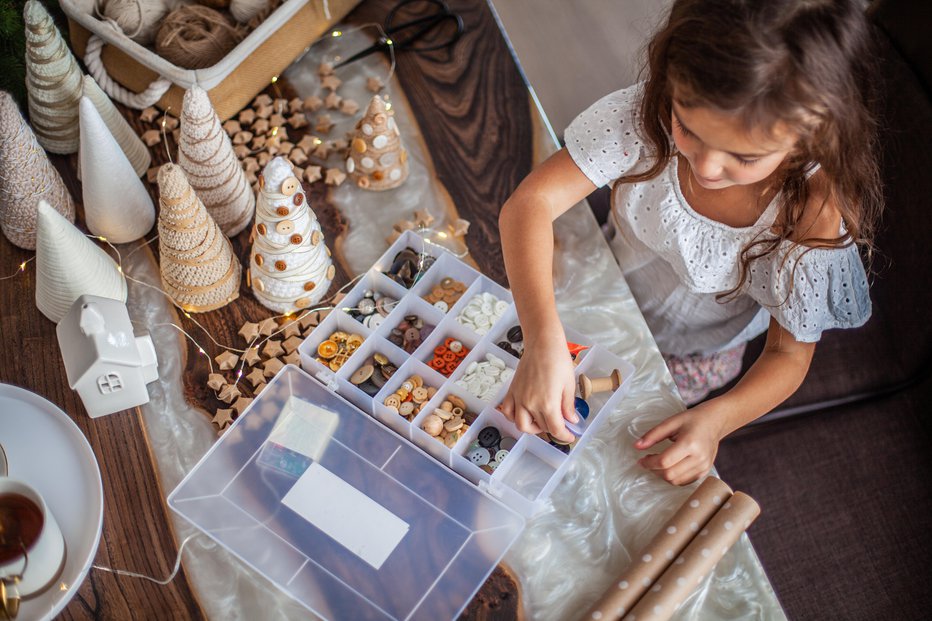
column 697, row 560
column 669, row 541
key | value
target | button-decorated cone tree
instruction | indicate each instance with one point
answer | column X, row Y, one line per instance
column 199, row 269
column 377, row 160
column 290, row 266
column 26, row 177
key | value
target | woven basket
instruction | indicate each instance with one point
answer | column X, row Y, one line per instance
column 232, row 82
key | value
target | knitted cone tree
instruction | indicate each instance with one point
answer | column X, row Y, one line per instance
column 134, row 149
column 69, row 265
column 26, row 177
column 53, row 82
column 290, row 266
column 116, row 203
column 377, row 160
column 199, row 270
column 206, row 155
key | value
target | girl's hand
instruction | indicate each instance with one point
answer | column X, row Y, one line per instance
column 541, row 394
column 695, row 434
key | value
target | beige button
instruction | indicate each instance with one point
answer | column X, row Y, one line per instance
column 290, row 186
column 359, row 145
column 419, row 394
column 362, row 374
column 281, row 266
column 249, row 278
column 283, row 211
column 363, row 182
column 315, row 238
column 379, row 118
column 259, row 285
column 406, row 408
column 285, row 227
column 302, row 302
column 392, row 401
column 404, row 156
column 261, row 181
column 331, row 272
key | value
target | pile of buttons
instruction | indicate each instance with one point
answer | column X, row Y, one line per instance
column 372, row 309
column 514, row 344
column 449, row 422
column 336, row 349
column 490, row 448
column 446, row 294
column 410, row 333
column 373, row 374
column 410, row 397
column 482, row 311
column 409, row 266
column 448, row 356
column 485, row 378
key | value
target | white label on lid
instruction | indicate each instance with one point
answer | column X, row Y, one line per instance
column 352, row 519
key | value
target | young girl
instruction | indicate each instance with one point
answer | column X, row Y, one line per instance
column 744, row 180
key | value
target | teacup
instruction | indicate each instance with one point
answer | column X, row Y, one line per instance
column 32, row 549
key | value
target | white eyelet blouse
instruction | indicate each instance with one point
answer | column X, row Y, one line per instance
column 676, row 260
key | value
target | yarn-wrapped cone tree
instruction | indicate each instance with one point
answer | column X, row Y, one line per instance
column 69, row 265
column 133, row 148
column 53, row 82
column 116, row 203
column 200, row 272
column 26, row 177
column 377, row 160
column 290, row 265
column 206, row 155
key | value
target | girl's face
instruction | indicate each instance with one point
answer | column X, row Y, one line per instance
column 720, row 150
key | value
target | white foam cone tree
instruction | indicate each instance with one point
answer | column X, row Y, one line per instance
column 290, row 265
column 53, row 82
column 116, row 203
column 199, row 269
column 377, row 159
column 69, row 265
column 206, row 155
column 133, row 148
column 26, row 177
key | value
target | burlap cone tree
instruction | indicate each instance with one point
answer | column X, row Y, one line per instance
column 53, row 82
column 133, row 148
column 200, row 272
column 26, row 177
column 290, row 266
column 206, row 155
column 377, row 159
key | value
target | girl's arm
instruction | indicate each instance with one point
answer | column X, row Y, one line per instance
column 542, row 391
column 695, row 433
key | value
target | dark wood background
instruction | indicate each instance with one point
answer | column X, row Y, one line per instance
column 474, row 112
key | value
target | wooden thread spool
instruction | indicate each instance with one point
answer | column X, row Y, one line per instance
column 588, row 385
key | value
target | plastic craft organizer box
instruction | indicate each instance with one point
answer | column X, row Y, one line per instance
column 370, row 525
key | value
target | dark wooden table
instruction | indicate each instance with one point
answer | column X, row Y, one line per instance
column 475, row 113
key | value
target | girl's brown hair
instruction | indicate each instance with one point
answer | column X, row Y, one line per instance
column 804, row 63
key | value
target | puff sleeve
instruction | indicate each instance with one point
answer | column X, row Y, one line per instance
column 603, row 140
column 809, row 290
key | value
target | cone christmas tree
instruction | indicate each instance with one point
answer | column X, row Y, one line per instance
column 53, row 82
column 206, row 155
column 290, row 266
column 26, row 176
column 133, row 148
column 116, row 203
column 69, row 265
column 199, row 270
column 377, row 160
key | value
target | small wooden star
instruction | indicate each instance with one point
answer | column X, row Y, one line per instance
column 422, row 217
column 272, row 366
column 312, row 174
column 324, row 69
column 295, row 105
column 216, row 381
column 256, row 377
column 148, row 115
column 267, row 326
column 324, row 124
column 332, row 100
column 331, row 81
column 263, row 99
column 241, row 151
column 277, row 120
column 273, row 348
column 313, row 103
column 151, row 137
column 393, row 237
column 247, row 116
column 349, row 106
column 292, row 343
column 168, row 122
column 241, row 404
column 231, row 127
column 258, row 389
column 264, row 111
column 309, row 320
column 334, row 176
column 252, row 356
column 223, row 418
column 261, row 126
column 460, row 227
column 374, row 84
column 298, row 120
column 292, row 328
column 227, row 360
column 249, row 331
column 297, row 156
column 404, row 225
column 306, row 143
column 322, row 150
column 292, row 358
column 152, row 174
column 228, row 393
column 251, row 165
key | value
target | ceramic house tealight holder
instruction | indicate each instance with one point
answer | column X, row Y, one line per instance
column 105, row 362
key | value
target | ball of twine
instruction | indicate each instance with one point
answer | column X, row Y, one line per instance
column 139, row 19
column 196, row 37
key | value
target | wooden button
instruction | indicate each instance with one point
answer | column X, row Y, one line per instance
column 359, row 145
column 283, row 211
column 309, row 285
column 302, row 302
column 378, row 175
column 406, row 408
column 315, row 238
column 331, row 272
column 281, row 266
column 290, row 186
column 285, row 227
column 419, row 394
column 260, row 228
column 296, row 199
column 296, row 239
column 260, row 286
column 259, row 260
column 261, row 181
column 393, row 401
column 362, row 374
column 363, row 182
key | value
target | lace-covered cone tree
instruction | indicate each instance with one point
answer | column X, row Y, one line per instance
column 206, row 155
column 26, row 177
column 290, row 266
column 377, row 160
column 199, row 269
column 116, row 203
column 53, row 82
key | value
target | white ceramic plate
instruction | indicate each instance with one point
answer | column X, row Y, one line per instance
column 45, row 449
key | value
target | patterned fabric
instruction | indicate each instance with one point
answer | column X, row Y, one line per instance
column 696, row 375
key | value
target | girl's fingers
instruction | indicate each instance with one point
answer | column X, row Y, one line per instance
column 507, row 407
column 524, row 421
column 686, row 475
column 666, row 459
column 661, row 432
column 569, row 403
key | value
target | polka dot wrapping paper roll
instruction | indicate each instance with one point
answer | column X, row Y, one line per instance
column 697, row 560
column 669, row 542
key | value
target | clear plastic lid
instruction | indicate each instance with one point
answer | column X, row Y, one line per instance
column 342, row 513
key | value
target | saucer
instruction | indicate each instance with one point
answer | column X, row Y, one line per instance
column 45, row 449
